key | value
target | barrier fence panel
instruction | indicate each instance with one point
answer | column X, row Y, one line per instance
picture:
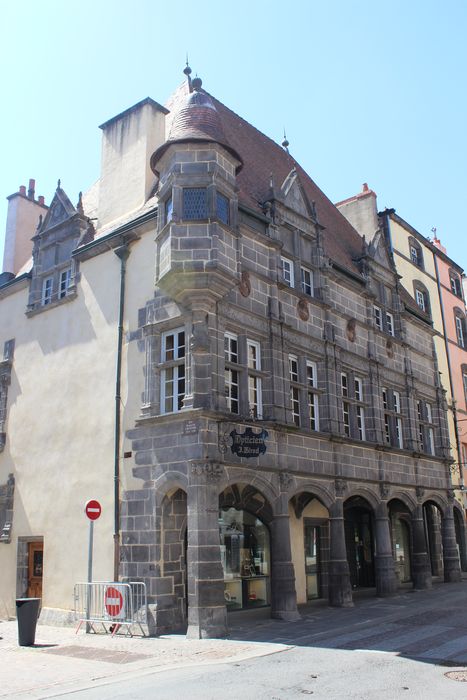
column 112, row 605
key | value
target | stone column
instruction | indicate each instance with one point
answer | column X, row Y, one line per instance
column 207, row 616
column 386, row 581
column 434, row 539
column 452, row 570
column 283, row 594
column 340, row 590
column 421, row 570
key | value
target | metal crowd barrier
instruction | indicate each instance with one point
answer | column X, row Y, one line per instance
column 112, row 605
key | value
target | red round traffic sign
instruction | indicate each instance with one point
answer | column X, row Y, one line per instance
column 93, row 509
column 113, row 601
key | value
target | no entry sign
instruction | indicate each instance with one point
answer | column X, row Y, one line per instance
column 93, row 509
column 114, row 604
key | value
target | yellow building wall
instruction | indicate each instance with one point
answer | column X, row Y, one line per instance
column 60, row 420
column 297, row 540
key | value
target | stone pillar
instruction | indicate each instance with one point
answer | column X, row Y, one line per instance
column 340, row 590
column 434, row 539
column 386, row 581
column 421, row 570
column 283, row 594
column 452, row 570
column 207, row 616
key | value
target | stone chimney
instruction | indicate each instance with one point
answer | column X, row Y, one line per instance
column 362, row 212
column 128, row 140
column 21, row 223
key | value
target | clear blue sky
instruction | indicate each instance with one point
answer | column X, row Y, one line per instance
column 367, row 91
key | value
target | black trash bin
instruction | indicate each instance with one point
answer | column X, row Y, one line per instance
column 27, row 612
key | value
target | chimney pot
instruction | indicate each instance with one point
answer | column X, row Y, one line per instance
column 40, row 199
column 365, row 187
column 22, row 189
column 32, row 187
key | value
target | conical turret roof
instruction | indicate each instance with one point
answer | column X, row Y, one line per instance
column 196, row 120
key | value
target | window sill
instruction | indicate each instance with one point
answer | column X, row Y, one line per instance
column 37, row 309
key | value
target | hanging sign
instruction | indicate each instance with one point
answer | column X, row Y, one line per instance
column 248, row 444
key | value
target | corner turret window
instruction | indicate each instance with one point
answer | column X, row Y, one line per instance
column 222, row 208
column 169, row 210
column 195, row 204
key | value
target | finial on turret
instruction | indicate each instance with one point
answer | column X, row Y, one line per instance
column 285, row 143
column 187, row 71
column 59, row 182
column 197, row 83
column 79, row 206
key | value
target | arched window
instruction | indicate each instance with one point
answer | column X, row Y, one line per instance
column 461, row 331
column 415, row 252
column 421, row 296
column 456, row 284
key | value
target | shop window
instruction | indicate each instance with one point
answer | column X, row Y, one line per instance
column 353, row 406
column 173, row 357
column 287, row 272
column 246, row 559
column 425, row 427
column 306, row 279
column 222, row 208
column 392, row 417
column 195, row 205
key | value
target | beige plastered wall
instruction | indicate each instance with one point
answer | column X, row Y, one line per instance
column 297, row 538
column 60, row 421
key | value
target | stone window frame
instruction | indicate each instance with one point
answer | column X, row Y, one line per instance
column 384, row 320
column 416, row 253
column 47, row 290
column 393, row 417
column 303, row 392
column 426, row 427
column 244, row 360
column 455, row 283
column 287, row 275
column 461, row 327
column 175, row 363
column 354, row 407
column 307, row 287
column 187, row 213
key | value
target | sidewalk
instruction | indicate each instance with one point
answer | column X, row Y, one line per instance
column 62, row 661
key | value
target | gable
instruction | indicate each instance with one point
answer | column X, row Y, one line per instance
column 294, row 195
column 378, row 251
column 59, row 211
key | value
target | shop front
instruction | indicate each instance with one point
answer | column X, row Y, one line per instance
column 246, row 559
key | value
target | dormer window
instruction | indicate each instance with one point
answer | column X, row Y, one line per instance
column 222, row 208
column 47, row 288
column 195, row 203
column 65, row 281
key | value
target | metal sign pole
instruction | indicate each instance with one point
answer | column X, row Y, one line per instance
column 88, row 597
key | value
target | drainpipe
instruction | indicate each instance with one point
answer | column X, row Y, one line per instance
column 121, row 252
column 454, row 411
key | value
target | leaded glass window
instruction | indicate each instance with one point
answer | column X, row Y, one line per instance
column 195, row 203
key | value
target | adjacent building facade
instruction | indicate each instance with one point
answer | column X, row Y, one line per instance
column 206, row 345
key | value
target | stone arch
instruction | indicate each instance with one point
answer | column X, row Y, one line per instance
column 245, row 496
column 436, row 500
column 169, row 481
column 243, row 476
column 404, row 497
column 319, row 491
column 359, row 491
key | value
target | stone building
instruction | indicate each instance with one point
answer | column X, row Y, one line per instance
column 196, row 344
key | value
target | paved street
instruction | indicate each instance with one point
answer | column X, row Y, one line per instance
column 384, row 649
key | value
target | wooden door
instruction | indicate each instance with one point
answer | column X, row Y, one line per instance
column 35, row 563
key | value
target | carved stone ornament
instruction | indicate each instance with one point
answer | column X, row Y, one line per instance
column 419, row 491
column 450, row 495
column 302, row 310
column 351, row 330
column 245, row 285
column 389, row 349
column 340, row 486
column 211, row 470
column 384, row 490
column 285, row 480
